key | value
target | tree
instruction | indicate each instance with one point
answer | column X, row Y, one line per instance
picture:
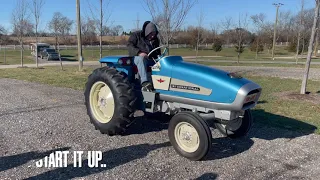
column 36, row 11
column 241, row 35
column 299, row 31
column 226, row 25
column 217, row 45
column 88, row 30
column 200, row 32
column 214, row 30
column 116, row 30
column 55, row 25
column 258, row 21
column 168, row 16
column 267, row 35
column 61, row 27
column 4, row 39
column 311, row 46
column 256, row 46
column 102, row 20
column 20, row 22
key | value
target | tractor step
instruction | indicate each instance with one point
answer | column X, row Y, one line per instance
column 149, row 100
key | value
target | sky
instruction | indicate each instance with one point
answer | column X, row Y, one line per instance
column 126, row 12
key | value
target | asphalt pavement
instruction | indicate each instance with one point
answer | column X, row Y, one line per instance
column 37, row 120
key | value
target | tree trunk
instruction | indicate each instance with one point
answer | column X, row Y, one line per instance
column 299, row 34
column 303, row 46
column 197, row 49
column 5, row 58
column 60, row 56
column 310, row 48
column 316, row 45
column 239, row 48
column 56, row 44
column 37, row 45
column 257, row 48
column 21, row 53
column 298, row 47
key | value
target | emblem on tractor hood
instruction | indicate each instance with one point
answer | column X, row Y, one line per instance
column 185, row 87
column 160, row 80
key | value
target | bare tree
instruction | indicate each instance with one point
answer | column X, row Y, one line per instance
column 300, row 26
column 258, row 21
column 103, row 17
column 36, row 10
column 226, row 25
column 3, row 41
column 60, row 26
column 200, row 32
column 116, row 30
column 311, row 46
column 241, row 32
column 20, row 21
column 54, row 26
column 169, row 16
column 88, row 30
column 215, row 30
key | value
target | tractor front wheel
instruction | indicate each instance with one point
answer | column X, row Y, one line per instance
column 190, row 135
column 110, row 101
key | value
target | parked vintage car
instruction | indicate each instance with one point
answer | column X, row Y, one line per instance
column 38, row 46
column 49, row 54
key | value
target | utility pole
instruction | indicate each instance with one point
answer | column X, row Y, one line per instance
column 299, row 32
column 138, row 21
column 101, row 20
column 79, row 36
column 275, row 27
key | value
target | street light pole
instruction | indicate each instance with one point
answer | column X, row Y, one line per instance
column 79, row 36
column 275, row 27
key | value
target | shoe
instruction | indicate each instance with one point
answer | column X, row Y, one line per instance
column 147, row 86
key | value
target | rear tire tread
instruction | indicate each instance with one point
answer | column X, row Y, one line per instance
column 123, row 96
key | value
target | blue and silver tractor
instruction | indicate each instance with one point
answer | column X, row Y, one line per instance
column 191, row 94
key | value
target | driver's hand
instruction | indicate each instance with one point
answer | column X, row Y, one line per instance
column 143, row 54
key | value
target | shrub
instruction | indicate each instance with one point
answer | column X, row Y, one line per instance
column 254, row 47
column 217, row 45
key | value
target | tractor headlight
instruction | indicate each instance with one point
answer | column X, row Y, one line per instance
column 124, row 61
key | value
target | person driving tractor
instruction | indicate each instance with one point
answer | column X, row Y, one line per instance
column 140, row 44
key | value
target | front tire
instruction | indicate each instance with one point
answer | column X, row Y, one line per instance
column 110, row 101
column 190, row 135
column 236, row 128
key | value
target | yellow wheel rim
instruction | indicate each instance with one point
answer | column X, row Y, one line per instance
column 102, row 102
column 187, row 137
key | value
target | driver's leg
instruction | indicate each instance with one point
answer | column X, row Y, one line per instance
column 141, row 63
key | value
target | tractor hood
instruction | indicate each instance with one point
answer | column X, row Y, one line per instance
column 199, row 82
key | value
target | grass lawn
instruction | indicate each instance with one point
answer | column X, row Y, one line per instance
column 227, row 53
column 92, row 54
column 256, row 64
column 271, row 110
column 14, row 57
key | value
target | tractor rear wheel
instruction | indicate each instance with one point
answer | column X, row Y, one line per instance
column 236, row 128
column 110, row 101
column 190, row 135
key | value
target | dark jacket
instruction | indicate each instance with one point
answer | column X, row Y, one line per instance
column 138, row 43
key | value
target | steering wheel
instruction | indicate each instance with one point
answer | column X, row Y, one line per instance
column 162, row 55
